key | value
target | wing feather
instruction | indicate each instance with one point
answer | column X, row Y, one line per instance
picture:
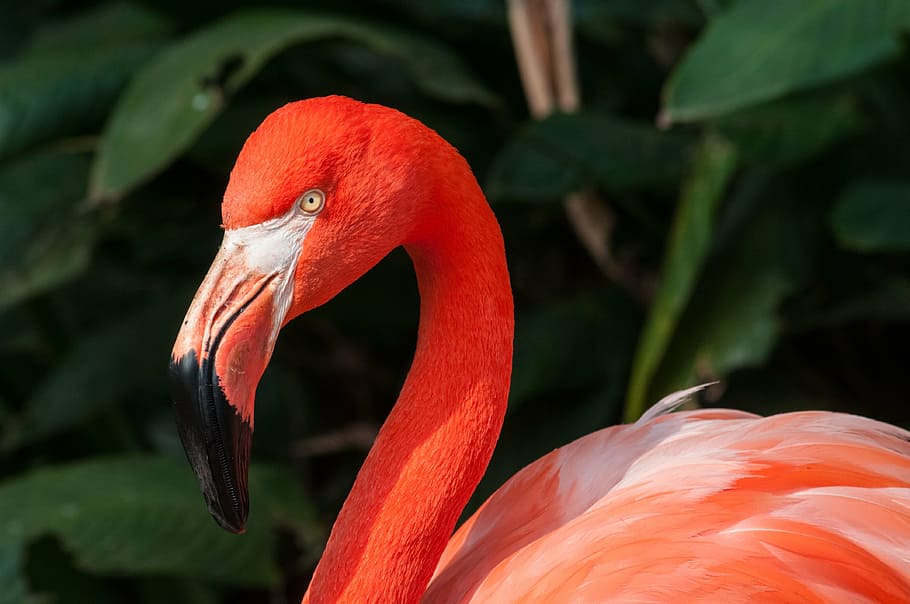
column 697, row 506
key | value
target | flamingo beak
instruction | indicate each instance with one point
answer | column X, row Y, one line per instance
column 223, row 348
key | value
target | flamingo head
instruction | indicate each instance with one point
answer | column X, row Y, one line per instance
column 320, row 192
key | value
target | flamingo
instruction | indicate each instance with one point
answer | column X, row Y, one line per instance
column 704, row 505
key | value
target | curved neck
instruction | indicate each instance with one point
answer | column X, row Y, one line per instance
column 436, row 443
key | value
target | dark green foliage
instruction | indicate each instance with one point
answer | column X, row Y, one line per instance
column 69, row 75
column 173, row 99
column 874, row 216
column 135, row 514
column 563, row 153
column 753, row 154
column 758, row 51
column 45, row 239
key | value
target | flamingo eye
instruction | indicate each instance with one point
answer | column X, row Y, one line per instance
column 312, row 201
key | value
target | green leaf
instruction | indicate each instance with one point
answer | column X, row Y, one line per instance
column 110, row 26
column 874, row 216
column 44, row 240
column 70, row 76
column 144, row 515
column 34, row 191
column 48, row 97
column 760, row 50
column 791, row 130
column 688, row 246
column 14, row 588
column 110, row 363
column 172, row 100
column 547, row 159
column 732, row 319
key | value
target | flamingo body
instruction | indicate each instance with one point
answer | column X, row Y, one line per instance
column 701, row 506
column 697, row 506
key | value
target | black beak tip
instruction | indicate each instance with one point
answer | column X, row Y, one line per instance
column 215, row 438
column 227, row 518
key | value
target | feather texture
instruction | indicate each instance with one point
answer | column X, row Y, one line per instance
column 697, row 506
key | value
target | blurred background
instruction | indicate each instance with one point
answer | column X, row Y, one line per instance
column 690, row 190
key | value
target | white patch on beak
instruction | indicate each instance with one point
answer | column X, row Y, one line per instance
column 271, row 248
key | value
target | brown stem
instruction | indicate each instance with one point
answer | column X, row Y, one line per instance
column 542, row 37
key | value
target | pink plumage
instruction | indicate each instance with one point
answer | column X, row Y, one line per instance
column 706, row 505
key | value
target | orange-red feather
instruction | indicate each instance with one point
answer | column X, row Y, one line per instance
column 700, row 506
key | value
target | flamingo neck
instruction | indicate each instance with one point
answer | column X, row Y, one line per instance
column 436, row 443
